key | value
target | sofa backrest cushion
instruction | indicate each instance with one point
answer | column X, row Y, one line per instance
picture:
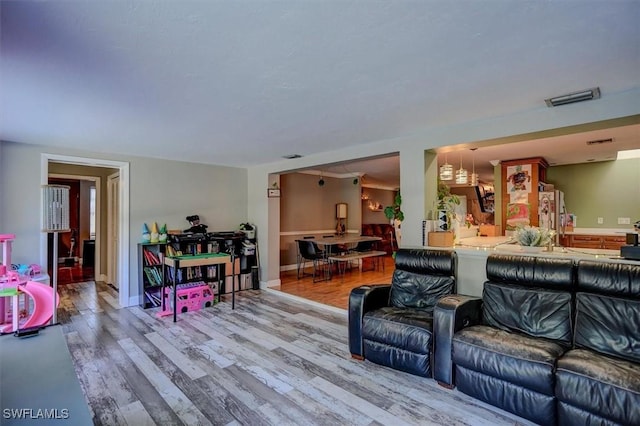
column 531, row 295
column 532, row 271
column 421, row 277
column 608, row 308
column 383, row 230
column 611, row 279
column 537, row 312
column 367, row 230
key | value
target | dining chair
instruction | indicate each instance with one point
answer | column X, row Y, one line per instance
column 364, row 246
column 309, row 251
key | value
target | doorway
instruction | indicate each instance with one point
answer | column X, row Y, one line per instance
column 77, row 249
column 121, row 254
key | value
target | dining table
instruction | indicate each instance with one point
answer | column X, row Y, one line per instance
column 348, row 240
column 329, row 242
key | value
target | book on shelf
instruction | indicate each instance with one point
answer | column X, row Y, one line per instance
column 153, row 276
column 172, row 251
column 153, row 297
column 150, row 257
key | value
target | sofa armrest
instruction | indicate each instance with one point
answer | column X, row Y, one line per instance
column 362, row 300
column 451, row 314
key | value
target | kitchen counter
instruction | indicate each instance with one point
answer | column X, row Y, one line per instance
column 601, row 231
column 472, row 255
column 506, row 245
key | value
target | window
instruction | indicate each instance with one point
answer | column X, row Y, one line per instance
column 92, row 213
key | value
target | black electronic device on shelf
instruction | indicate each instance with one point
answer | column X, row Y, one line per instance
column 226, row 240
column 632, row 249
column 188, row 237
column 187, row 243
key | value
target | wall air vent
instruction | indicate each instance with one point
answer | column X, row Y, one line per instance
column 583, row 95
column 599, row 141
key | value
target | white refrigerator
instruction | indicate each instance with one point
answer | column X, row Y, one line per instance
column 550, row 208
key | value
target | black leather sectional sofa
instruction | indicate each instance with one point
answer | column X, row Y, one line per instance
column 552, row 340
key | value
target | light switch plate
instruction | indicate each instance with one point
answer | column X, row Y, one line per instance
column 600, row 221
column 624, row 221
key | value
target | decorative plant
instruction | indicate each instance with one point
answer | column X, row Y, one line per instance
column 532, row 236
column 447, row 202
column 393, row 212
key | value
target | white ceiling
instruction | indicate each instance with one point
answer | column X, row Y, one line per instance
column 246, row 82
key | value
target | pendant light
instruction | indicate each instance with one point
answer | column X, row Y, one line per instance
column 474, row 175
column 446, row 170
column 461, row 174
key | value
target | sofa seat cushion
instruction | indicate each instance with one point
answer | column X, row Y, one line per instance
column 605, row 386
column 399, row 338
column 410, row 329
column 517, row 358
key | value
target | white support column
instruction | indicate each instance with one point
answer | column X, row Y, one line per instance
column 412, row 189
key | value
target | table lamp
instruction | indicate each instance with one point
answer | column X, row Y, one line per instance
column 341, row 215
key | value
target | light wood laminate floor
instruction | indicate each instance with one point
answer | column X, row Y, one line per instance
column 271, row 361
column 335, row 292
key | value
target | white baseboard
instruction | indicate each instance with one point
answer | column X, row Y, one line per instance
column 308, row 302
column 271, row 283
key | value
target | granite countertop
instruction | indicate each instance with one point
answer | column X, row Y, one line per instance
column 482, row 242
column 483, row 246
column 601, row 231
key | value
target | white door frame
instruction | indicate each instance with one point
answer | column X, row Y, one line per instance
column 111, row 277
column 123, row 258
column 96, row 182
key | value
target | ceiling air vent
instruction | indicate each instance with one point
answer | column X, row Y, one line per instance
column 599, row 141
column 583, row 95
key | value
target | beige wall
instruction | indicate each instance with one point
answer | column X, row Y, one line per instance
column 383, row 197
column 309, row 209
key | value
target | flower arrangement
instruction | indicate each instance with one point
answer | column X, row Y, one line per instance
column 532, row 236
